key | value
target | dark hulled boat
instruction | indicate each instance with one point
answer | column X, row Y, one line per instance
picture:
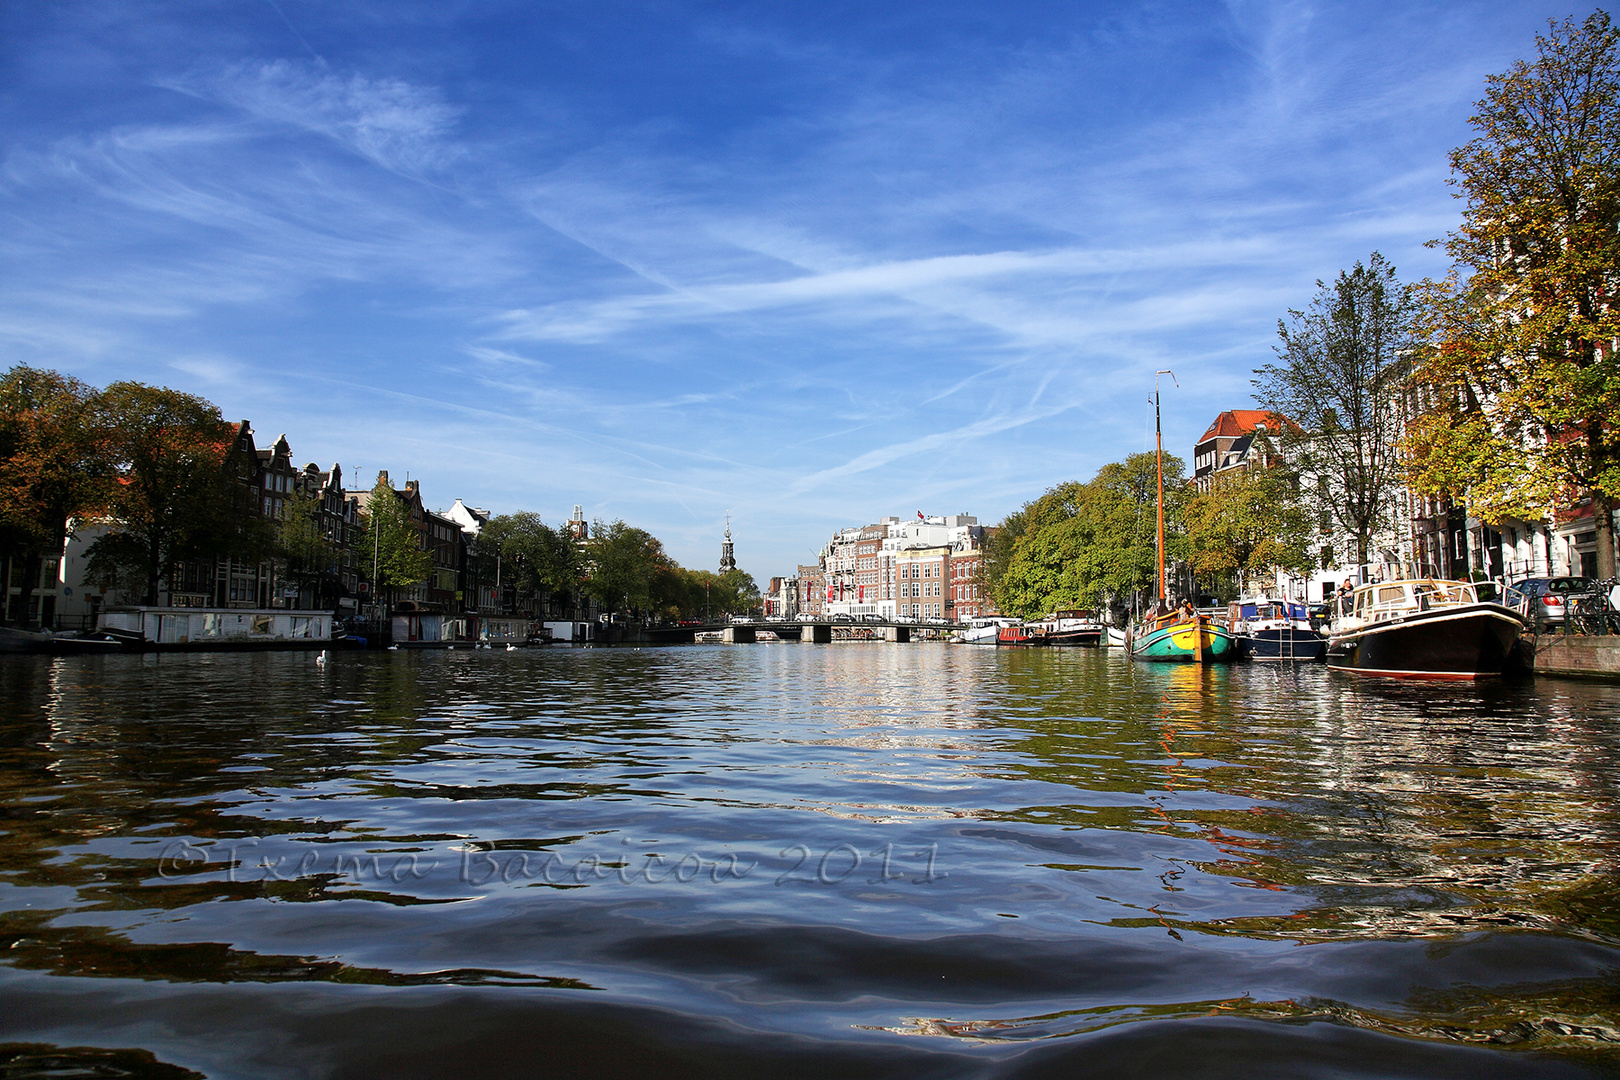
column 1071, row 628
column 15, row 639
column 1269, row 629
column 1424, row 628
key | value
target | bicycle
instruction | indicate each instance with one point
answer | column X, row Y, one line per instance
column 1591, row 613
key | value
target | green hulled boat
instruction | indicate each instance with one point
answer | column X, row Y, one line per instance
column 1178, row 637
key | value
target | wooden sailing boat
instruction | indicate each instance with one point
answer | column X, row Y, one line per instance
column 1185, row 636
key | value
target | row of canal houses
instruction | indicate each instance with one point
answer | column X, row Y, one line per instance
column 919, row 569
column 1423, row 536
column 465, row 596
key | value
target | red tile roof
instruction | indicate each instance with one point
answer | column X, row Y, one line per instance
column 1235, row 422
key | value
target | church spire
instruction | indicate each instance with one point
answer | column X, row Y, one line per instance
column 728, row 561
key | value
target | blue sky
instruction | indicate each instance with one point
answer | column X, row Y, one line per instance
column 808, row 264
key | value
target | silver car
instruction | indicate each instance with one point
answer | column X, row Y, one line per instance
column 1547, row 599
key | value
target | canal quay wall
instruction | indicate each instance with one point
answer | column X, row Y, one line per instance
column 1578, row 656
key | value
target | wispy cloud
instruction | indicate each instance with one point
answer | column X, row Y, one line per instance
column 720, row 261
column 397, row 125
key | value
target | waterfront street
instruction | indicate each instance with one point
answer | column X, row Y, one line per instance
column 802, row 860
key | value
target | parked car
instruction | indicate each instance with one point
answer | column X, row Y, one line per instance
column 1548, row 597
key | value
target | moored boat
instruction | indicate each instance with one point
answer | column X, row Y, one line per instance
column 1185, row 635
column 1270, row 629
column 1020, row 634
column 1073, row 627
column 1422, row 628
column 983, row 630
column 16, row 639
column 1180, row 637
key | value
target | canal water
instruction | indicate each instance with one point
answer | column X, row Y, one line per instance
column 858, row 860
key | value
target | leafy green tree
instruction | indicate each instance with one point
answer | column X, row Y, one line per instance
column 1523, row 329
column 177, row 494
column 999, row 542
column 537, row 558
column 1086, row 545
column 392, row 539
column 53, row 466
column 624, row 564
column 1051, row 565
column 1250, row 523
column 739, row 592
column 1338, row 394
column 697, row 593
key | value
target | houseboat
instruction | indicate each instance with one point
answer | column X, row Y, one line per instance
column 155, row 627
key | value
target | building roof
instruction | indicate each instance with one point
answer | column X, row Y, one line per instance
column 1237, row 451
column 1235, row 422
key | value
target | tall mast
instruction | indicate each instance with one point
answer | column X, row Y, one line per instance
column 1158, row 441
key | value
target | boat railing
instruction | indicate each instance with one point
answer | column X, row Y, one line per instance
column 1513, row 598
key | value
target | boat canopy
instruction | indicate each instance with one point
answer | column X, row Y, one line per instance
column 1259, row 610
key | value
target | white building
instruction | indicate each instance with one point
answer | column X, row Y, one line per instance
column 860, row 563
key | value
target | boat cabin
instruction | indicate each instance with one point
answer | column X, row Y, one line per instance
column 1393, row 599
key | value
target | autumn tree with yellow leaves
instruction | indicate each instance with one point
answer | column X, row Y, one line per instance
column 1520, row 368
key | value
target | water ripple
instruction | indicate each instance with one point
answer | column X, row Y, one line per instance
column 896, row 860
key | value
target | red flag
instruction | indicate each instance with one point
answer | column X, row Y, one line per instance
column 920, row 516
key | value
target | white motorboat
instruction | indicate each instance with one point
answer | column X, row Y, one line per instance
column 984, row 630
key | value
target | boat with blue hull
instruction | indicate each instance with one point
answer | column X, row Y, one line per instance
column 1275, row 630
